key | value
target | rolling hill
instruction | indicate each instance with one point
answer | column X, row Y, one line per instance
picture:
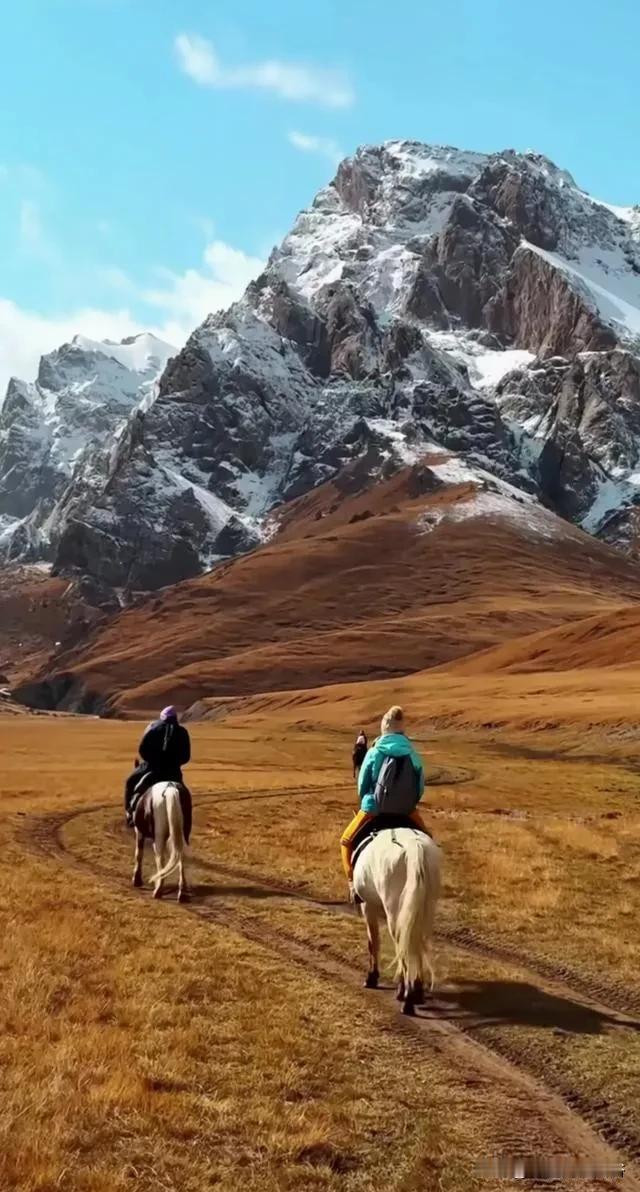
column 610, row 638
column 359, row 581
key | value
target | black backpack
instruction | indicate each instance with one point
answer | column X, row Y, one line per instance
column 397, row 788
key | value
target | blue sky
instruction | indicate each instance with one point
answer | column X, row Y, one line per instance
column 152, row 151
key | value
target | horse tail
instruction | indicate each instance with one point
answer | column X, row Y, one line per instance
column 176, row 834
column 414, row 924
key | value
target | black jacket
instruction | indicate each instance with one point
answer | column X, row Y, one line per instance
column 165, row 747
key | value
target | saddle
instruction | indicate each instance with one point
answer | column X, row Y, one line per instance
column 381, row 823
column 143, row 818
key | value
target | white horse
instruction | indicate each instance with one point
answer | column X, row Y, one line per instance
column 397, row 876
column 167, row 828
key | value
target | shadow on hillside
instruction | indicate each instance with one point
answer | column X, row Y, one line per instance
column 477, row 1004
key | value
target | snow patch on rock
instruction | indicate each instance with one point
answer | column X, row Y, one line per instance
column 486, row 367
column 608, row 280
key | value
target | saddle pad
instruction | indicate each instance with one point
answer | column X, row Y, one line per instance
column 382, row 823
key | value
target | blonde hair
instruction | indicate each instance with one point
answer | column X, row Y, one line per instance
column 392, row 720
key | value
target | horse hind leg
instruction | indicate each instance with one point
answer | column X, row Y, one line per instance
column 401, row 976
column 415, row 995
column 409, row 992
column 373, row 941
column 183, row 889
column 137, row 867
column 158, row 850
column 418, row 991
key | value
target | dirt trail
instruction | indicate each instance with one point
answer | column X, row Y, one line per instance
column 531, row 1118
column 611, row 996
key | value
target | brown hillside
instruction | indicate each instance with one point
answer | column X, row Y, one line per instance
column 36, row 612
column 609, row 639
column 590, row 712
column 419, row 581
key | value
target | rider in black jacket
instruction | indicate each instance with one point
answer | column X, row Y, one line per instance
column 165, row 748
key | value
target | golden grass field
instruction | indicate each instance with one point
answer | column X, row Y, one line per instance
column 229, row 1044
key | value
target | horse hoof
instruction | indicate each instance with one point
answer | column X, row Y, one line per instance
column 184, row 896
column 371, row 981
column 418, row 993
column 157, row 893
column 137, row 881
column 409, row 1009
column 400, row 995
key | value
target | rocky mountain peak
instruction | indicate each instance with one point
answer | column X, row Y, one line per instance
column 51, row 430
column 429, row 296
column 544, row 165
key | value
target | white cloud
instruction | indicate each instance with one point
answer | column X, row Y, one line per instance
column 26, row 335
column 181, row 303
column 324, row 146
column 190, row 296
column 199, row 59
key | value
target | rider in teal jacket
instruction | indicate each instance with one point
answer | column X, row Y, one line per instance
column 390, row 745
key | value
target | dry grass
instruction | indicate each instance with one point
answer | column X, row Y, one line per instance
column 592, row 845
column 140, row 1045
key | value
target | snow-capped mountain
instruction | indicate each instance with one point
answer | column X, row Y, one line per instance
column 428, row 297
column 50, row 430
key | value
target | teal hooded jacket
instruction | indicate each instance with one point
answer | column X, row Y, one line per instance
column 391, row 745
